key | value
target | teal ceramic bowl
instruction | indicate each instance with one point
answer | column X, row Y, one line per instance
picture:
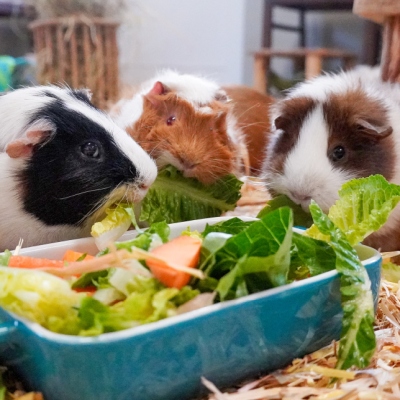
column 165, row 360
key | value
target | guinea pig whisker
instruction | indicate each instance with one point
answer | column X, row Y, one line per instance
column 247, row 110
column 85, row 192
column 252, row 124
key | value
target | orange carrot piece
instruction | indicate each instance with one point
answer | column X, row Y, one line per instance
column 33, row 262
column 89, row 290
column 72, row 256
column 183, row 250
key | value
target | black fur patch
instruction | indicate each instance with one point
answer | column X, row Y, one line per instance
column 60, row 184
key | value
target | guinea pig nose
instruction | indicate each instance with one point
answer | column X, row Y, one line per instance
column 299, row 197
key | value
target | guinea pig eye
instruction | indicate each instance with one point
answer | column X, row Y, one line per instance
column 171, row 120
column 90, row 149
column 338, row 153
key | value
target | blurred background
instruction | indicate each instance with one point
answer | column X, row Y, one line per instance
column 215, row 38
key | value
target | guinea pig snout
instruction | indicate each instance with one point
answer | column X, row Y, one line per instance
column 303, row 199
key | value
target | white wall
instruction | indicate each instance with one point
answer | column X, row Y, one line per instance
column 216, row 38
column 211, row 37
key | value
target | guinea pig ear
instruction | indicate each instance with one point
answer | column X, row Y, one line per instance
column 23, row 147
column 221, row 96
column 376, row 131
column 158, row 89
column 281, row 122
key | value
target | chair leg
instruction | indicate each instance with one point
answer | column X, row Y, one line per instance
column 261, row 65
column 313, row 65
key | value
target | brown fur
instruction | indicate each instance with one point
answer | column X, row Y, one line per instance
column 251, row 109
column 367, row 152
column 293, row 112
column 196, row 139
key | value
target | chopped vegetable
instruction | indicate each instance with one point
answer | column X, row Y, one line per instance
column 114, row 225
column 72, row 256
column 40, row 297
column 183, row 250
column 174, row 198
column 33, row 262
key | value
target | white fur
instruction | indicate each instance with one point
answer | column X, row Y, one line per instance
column 15, row 223
column 312, row 176
column 307, row 168
column 16, row 110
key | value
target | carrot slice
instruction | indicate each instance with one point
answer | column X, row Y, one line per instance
column 33, row 262
column 89, row 290
column 72, row 256
column 183, row 250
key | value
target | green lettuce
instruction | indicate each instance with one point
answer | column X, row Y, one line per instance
column 174, row 198
column 301, row 218
column 117, row 221
column 148, row 301
column 255, row 259
column 391, row 272
column 363, row 207
column 40, row 297
column 357, row 341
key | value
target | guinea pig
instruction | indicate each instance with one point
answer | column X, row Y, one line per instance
column 62, row 162
column 251, row 110
column 331, row 129
column 191, row 122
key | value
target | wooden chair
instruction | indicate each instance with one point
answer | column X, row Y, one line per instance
column 311, row 58
column 313, row 62
column 387, row 13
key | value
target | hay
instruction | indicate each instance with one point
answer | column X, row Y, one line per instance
column 91, row 8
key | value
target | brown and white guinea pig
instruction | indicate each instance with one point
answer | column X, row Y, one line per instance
column 62, row 161
column 332, row 129
column 251, row 110
column 188, row 121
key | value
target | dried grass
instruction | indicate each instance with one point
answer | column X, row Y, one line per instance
column 92, row 8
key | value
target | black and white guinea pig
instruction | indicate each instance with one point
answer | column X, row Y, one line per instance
column 62, row 162
column 331, row 129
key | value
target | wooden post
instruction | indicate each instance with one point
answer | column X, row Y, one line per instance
column 386, row 12
column 313, row 65
column 260, row 73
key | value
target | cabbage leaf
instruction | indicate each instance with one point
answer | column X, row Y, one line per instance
column 174, row 198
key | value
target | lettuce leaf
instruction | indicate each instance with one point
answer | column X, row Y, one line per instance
column 40, row 297
column 113, row 226
column 255, row 259
column 357, row 341
column 174, row 198
column 312, row 256
column 391, row 272
column 148, row 301
column 301, row 218
column 363, row 207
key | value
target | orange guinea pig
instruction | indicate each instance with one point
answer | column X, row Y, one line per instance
column 193, row 140
column 191, row 123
